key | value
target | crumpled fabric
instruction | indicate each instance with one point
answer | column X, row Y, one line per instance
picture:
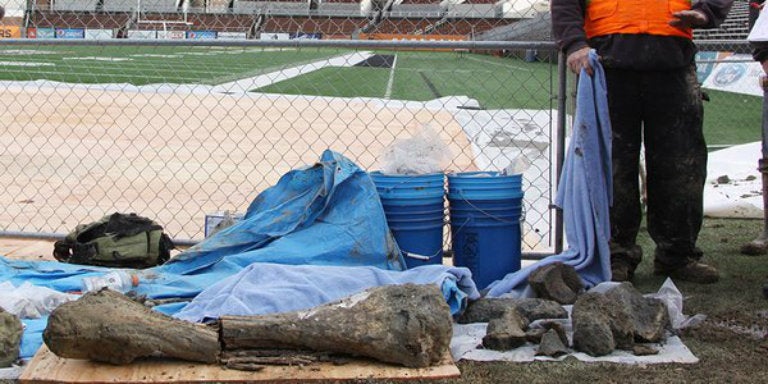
column 263, row 288
column 584, row 193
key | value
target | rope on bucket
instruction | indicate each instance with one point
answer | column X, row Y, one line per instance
column 522, row 211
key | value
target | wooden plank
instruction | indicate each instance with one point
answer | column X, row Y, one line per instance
column 47, row 368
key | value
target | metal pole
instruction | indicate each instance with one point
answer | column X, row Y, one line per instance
column 562, row 88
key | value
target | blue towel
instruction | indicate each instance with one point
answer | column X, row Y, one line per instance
column 270, row 288
column 584, row 193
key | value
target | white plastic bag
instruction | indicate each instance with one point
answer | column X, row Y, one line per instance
column 29, row 301
column 421, row 154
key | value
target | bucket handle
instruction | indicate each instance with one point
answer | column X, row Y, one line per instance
column 422, row 257
column 522, row 212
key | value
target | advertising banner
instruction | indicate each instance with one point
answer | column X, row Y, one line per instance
column 201, row 35
column 706, row 61
column 41, row 33
column 8, row 32
column 98, row 34
column 172, row 35
column 397, row 36
column 738, row 73
column 69, row 33
column 141, row 35
column 274, row 36
column 231, row 35
column 305, row 36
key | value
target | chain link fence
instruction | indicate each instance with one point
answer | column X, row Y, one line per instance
column 178, row 110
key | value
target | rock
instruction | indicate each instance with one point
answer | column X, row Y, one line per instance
column 600, row 325
column 644, row 350
column 537, row 330
column 724, row 179
column 534, row 335
column 551, row 345
column 483, row 310
column 556, row 281
column 649, row 316
column 506, row 332
column 10, row 338
column 558, row 328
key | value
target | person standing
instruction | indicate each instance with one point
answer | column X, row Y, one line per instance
column 754, row 11
column 654, row 98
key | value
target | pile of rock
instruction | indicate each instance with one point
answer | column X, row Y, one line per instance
column 620, row 318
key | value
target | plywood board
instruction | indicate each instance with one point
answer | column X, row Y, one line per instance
column 46, row 367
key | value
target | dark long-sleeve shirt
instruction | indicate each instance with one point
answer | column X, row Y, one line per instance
column 631, row 51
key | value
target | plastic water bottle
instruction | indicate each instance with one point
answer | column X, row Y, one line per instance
column 120, row 281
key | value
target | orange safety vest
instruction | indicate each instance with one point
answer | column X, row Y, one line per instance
column 606, row 17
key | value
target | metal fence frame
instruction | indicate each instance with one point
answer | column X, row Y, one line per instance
column 512, row 46
column 351, row 44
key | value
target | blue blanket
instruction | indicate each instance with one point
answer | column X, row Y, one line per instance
column 270, row 288
column 584, row 193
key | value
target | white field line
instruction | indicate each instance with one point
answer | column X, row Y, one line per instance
column 498, row 64
column 391, row 81
column 244, row 85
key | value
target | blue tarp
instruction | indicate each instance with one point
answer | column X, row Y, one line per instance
column 328, row 214
column 584, row 193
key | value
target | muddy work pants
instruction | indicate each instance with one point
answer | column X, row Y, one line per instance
column 662, row 109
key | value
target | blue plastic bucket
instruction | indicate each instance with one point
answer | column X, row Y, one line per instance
column 485, row 211
column 491, row 206
column 420, row 240
column 414, row 207
column 484, row 186
column 490, row 250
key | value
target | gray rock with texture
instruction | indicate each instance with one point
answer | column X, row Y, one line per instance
column 601, row 325
column 10, row 338
column 483, row 310
column 649, row 316
column 557, row 281
column 551, row 345
column 506, row 332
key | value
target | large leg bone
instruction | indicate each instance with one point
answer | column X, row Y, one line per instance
column 107, row 326
column 404, row 324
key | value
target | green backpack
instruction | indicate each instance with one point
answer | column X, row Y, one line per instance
column 117, row 240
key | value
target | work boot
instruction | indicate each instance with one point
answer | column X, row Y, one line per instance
column 694, row 272
column 621, row 271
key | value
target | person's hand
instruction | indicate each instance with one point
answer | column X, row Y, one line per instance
column 765, row 66
column 580, row 59
column 689, row 19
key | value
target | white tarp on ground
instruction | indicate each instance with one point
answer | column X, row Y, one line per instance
column 467, row 340
column 741, row 196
